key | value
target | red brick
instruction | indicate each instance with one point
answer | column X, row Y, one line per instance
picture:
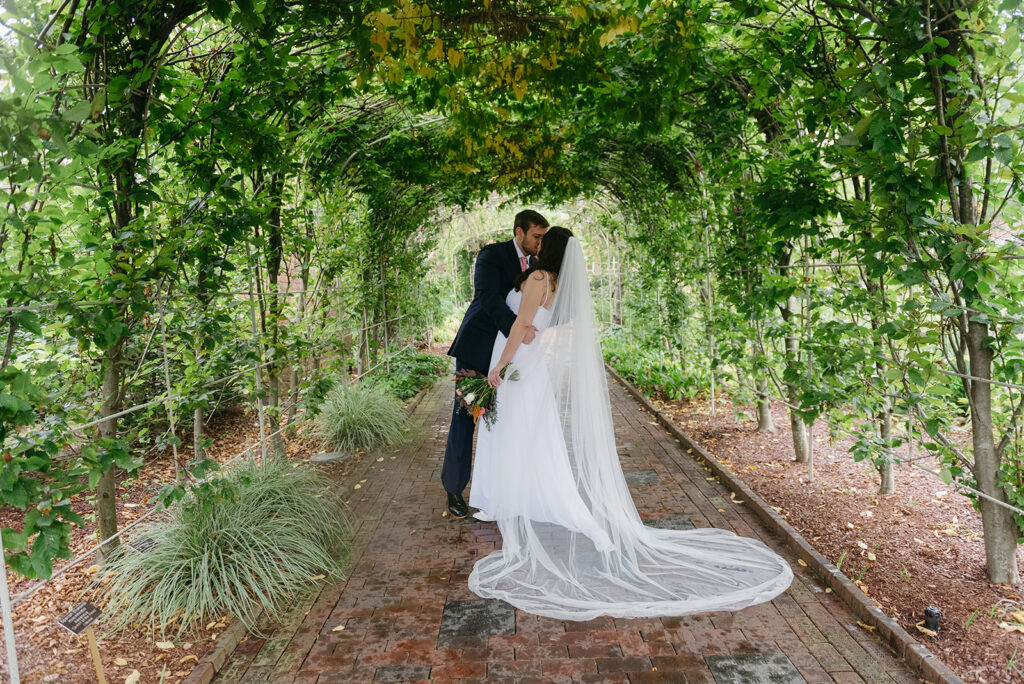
column 460, row 670
column 624, row 664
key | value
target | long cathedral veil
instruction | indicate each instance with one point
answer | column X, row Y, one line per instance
column 547, row 569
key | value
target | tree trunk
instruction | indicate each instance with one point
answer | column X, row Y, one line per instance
column 275, row 255
column 801, row 450
column 364, row 347
column 106, row 488
column 887, row 483
column 765, row 424
column 197, row 433
column 997, row 521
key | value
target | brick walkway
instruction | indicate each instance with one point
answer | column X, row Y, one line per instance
column 405, row 613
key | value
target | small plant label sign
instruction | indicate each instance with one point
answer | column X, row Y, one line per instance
column 143, row 544
column 80, row 617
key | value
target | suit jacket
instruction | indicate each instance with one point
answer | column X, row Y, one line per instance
column 496, row 267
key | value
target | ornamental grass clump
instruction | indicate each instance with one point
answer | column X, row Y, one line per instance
column 359, row 417
column 257, row 540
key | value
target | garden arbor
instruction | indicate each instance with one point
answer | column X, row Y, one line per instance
column 827, row 193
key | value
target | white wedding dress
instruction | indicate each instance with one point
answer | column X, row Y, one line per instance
column 573, row 545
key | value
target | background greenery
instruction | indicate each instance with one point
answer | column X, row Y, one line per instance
column 819, row 202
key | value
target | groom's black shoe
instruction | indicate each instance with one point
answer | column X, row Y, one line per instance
column 457, row 506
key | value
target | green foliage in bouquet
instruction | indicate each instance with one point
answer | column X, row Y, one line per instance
column 364, row 416
column 477, row 397
column 275, row 528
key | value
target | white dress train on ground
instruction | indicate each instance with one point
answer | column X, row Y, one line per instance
column 573, row 545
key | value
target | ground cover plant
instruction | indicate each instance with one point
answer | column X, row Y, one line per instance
column 408, row 372
column 272, row 532
column 359, row 417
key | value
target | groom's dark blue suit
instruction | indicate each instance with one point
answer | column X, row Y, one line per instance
column 496, row 268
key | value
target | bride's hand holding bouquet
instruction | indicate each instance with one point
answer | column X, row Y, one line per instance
column 477, row 394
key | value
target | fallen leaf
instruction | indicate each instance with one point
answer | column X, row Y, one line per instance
column 802, row 562
column 338, row 628
column 120, row 662
column 1011, row 627
column 1018, row 616
column 358, row 486
column 191, row 656
column 165, row 645
column 862, row 545
column 849, row 526
column 316, row 578
column 871, row 556
column 133, row 678
column 870, row 628
column 924, row 630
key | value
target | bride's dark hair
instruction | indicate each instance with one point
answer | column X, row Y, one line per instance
column 552, row 249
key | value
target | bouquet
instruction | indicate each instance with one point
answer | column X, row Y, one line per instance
column 476, row 397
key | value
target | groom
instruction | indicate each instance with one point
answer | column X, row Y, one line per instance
column 496, row 269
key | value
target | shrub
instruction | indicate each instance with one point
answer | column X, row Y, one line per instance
column 354, row 417
column 256, row 546
column 410, row 371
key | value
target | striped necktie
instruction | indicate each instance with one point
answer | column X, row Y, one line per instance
column 524, row 262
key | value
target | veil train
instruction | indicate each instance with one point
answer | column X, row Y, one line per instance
column 547, row 569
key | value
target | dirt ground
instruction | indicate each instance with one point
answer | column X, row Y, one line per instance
column 921, row 546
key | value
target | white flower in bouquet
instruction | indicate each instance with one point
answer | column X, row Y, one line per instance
column 470, row 398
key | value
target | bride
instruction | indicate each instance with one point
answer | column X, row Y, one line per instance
column 574, row 546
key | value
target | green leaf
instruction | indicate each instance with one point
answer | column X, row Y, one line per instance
column 78, row 112
column 29, row 320
column 13, row 541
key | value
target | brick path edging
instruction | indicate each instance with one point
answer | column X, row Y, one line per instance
column 211, row 663
column 206, row 669
column 922, row 661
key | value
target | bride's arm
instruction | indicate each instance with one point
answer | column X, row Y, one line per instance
column 534, row 290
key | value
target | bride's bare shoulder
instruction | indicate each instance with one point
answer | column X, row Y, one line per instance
column 547, row 278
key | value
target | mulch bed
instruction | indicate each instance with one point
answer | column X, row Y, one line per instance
column 926, row 540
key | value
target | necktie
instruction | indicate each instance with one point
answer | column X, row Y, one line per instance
column 524, row 262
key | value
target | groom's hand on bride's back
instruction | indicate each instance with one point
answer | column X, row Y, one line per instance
column 531, row 332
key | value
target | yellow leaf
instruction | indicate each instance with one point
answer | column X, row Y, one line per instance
column 924, row 630
column 455, row 57
column 862, row 545
column 870, row 628
column 1009, row 627
column 133, row 678
column 801, row 562
column 165, row 645
column 338, row 628
column 578, row 12
column 120, row 662
column 436, row 52
column 871, row 556
column 358, row 486
column 1018, row 616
